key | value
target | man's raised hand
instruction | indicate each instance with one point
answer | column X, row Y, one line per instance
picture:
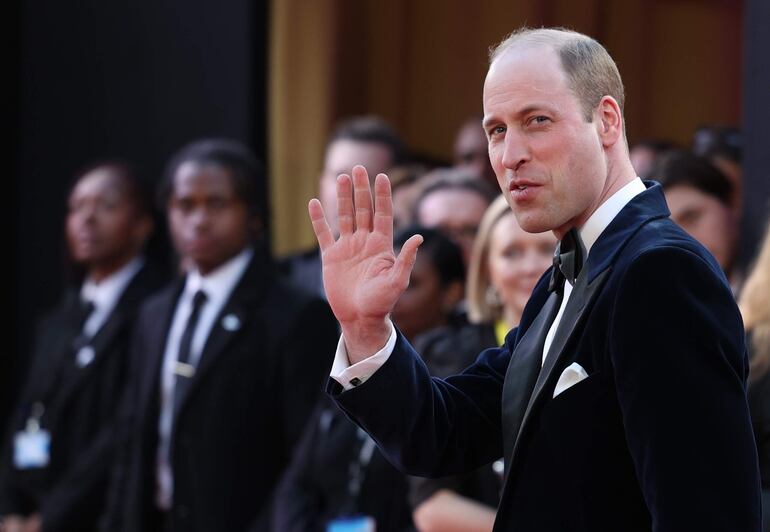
column 363, row 278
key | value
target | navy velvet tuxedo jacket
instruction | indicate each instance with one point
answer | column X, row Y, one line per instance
column 657, row 437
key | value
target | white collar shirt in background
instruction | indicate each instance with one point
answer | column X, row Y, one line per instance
column 106, row 294
column 218, row 286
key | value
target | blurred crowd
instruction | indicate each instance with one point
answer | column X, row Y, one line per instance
column 193, row 400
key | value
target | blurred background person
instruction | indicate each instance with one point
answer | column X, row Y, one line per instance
column 337, row 470
column 365, row 140
column 453, row 201
column 223, row 382
column 506, row 264
column 464, row 502
column 723, row 147
column 55, row 467
column 755, row 308
column 699, row 196
column 644, row 155
column 470, row 151
column 436, row 285
column 406, row 183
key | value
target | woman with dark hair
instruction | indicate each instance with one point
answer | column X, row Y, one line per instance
column 699, row 197
column 56, row 465
column 436, row 285
column 337, row 471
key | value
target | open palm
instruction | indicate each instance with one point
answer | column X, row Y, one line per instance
column 363, row 278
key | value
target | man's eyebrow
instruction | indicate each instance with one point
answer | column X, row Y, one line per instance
column 531, row 108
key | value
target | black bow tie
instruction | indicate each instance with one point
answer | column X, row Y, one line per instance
column 567, row 260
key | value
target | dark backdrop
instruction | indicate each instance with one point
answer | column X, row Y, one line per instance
column 126, row 79
column 756, row 126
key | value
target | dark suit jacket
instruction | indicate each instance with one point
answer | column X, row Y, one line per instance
column 251, row 395
column 315, row 487
column 657, row 437
column 81, row 413
column 304, row 270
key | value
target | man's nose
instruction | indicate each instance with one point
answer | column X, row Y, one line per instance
column 516, row 151
column 199, row 217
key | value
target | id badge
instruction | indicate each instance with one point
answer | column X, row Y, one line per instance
column 357, row 523
column 31, row 449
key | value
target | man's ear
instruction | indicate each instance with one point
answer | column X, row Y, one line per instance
column 609, row 120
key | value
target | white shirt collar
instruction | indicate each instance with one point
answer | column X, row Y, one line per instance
column 607, row 211
column 104, row 295
column 221, row 280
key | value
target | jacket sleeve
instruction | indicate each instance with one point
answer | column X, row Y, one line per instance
column 305, row 352
column 677, row 349
column 125, row 437
column 428, row 426
column 14, row 499
column 296, row 503
column 306, row 358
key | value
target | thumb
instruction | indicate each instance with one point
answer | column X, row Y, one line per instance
column 405, row 260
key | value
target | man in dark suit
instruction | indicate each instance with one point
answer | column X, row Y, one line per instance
column 365, row 140
column 56, row 465
column 223, row 383
column 619, row 402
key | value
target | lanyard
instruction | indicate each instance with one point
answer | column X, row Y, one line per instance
column 357, row 470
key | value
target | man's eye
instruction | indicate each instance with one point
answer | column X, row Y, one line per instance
column 183, row 205
column 539, row 120
column 497, row 130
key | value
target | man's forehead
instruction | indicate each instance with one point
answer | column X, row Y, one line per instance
column 343, row 154
column 526, row 64
column 533, row 72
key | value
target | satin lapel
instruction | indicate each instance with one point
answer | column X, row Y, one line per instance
column 579, row 303
column 522, row 372
column 57, row 352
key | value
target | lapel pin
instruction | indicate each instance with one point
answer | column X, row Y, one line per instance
column 231, row 322
column 85, row 356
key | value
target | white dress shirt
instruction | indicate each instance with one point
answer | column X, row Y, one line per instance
column 351, row 376
column 105, row 294
column 217, row 285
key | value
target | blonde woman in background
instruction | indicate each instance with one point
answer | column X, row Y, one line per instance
column 506, row 263
column 755, row 308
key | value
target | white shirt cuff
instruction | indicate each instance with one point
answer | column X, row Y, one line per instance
column 351, row 376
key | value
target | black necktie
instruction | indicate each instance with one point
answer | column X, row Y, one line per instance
column 183, row 370
column 81, row 315
column 567, row 260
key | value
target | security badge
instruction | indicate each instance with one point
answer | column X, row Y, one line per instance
column 85, row 356
column 32, row 446
column 231, row 323
column 356, row 523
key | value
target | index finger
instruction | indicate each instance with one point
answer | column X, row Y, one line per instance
column 383, row 206
column 320, row 227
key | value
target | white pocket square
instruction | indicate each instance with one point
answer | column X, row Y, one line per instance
column 572, row 374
